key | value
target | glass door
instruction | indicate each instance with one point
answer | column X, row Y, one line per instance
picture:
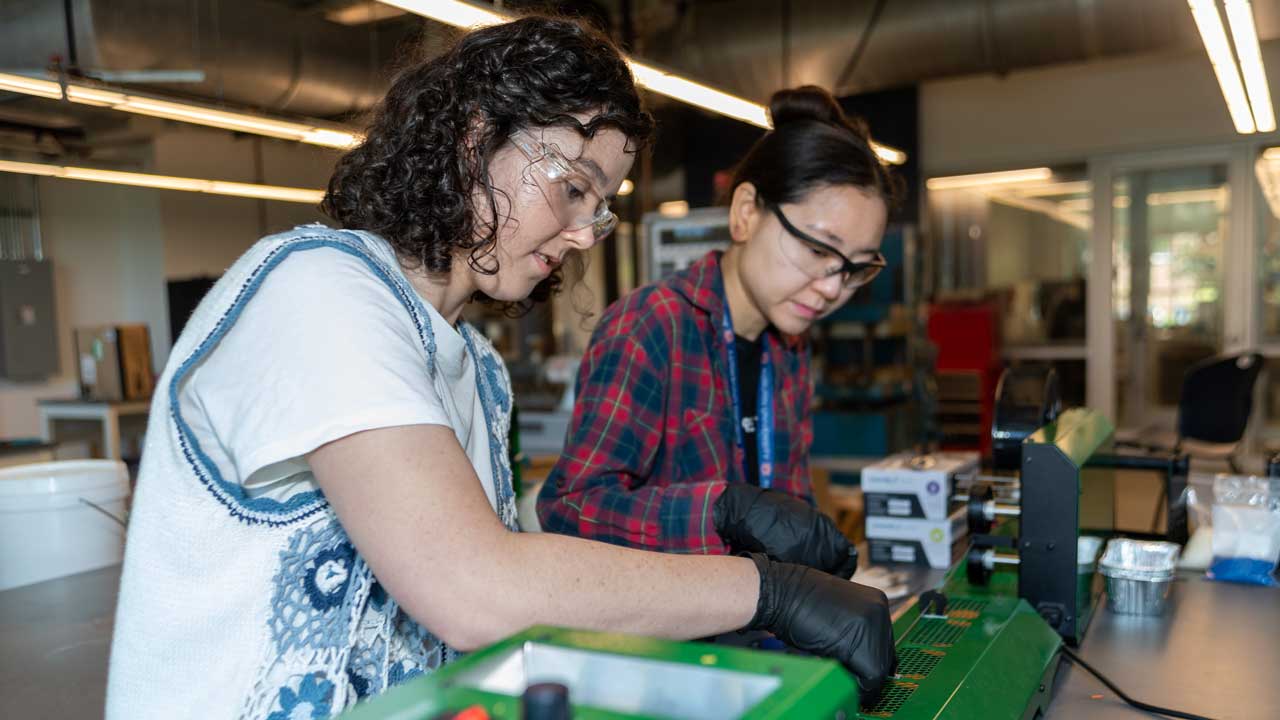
column 1265, row 301
column 1169, row 237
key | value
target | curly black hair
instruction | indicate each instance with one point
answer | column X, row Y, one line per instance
column 431, row 138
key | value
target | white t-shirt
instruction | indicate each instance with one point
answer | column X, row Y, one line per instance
column 242, row 595
column 323, row 351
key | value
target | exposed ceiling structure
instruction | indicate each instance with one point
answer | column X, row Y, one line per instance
column 741, row 44
column 330, row 58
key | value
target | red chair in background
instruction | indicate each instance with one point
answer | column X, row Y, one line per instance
column 968, row 368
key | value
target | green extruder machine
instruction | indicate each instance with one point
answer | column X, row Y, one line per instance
column 984, row 645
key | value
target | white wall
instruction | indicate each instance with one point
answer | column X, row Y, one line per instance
column 108, row 257
column 204, row 234
column 114, row 247
column 1070, row 112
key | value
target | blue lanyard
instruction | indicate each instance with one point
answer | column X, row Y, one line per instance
column 764, row 400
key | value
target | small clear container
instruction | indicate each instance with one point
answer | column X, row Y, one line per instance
column 1087, row 547
column 1139, row 575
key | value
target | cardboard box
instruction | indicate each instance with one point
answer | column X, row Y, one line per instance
column 916, row 541
column 114, row 362
column 914, row 486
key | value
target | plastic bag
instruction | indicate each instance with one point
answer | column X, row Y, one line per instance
column 1197, row 554
column 1246, row 529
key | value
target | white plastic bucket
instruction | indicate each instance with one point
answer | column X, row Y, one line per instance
column 48, row 531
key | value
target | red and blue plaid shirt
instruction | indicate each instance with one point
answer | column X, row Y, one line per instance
column 652, row 445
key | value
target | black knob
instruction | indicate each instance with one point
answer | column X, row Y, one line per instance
column 932, row 602
column 546, row 701
column 979, row 495
column 975, row 568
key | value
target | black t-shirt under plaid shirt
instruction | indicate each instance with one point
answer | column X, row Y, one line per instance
column 748, row 352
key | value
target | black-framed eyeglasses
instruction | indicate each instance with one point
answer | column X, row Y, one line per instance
column 819, row 260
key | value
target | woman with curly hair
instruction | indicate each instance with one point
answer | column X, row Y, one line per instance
column 325, row 507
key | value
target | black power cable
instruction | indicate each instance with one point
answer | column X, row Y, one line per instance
column 1145, row 707
column 847, row 73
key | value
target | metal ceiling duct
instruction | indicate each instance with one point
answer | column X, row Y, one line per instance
column 739, row 45
column 250, row 52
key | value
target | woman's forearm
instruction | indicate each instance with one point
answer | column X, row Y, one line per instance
column 412, row 505
column 558, row 580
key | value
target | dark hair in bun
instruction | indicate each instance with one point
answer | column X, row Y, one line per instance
column 812, row 144
column 809, row 102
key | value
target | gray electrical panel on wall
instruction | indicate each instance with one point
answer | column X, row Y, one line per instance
column 28, row 329
column 28, row 326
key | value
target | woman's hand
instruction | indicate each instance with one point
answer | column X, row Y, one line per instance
column 751, row 519
column 828, row 616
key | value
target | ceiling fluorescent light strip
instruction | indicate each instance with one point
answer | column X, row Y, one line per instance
column 1209, row 23
column 955, row 182
column 674, row 86
column 651, row 77
column 1245, row 35
column 450, row 12
column 167, row 182
column 184, row 112
column 30, row 86
column 361, row 12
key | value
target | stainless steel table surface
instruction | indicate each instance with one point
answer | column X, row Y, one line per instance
column 1214, row 652
column 55, row 637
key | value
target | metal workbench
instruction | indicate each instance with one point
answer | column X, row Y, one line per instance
column 54, row 640
column 1215, row 652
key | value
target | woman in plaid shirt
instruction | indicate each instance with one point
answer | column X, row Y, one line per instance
column 692, row 429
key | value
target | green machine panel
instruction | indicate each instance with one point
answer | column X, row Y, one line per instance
column 616, row 677
column 988, row 656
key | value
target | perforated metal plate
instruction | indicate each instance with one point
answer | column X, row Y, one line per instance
column 895, row 693
column 916, row 663
column 937, row 632
column 965, row 608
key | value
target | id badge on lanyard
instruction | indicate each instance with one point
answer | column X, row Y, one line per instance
column 764, row 401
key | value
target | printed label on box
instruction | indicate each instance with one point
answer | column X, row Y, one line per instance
column 931, row 542
column 899, row 506
column 926, row 481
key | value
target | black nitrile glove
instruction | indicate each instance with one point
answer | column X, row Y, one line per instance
column 828, row 616
column 751, row 519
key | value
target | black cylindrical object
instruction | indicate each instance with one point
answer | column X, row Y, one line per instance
column 976, row 568
column 1273, row 466
column 1027, row 399
column 546, row 701
column 979, row 495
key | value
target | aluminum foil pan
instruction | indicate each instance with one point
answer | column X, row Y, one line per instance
column 1139, row 575
column 1139, row 560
